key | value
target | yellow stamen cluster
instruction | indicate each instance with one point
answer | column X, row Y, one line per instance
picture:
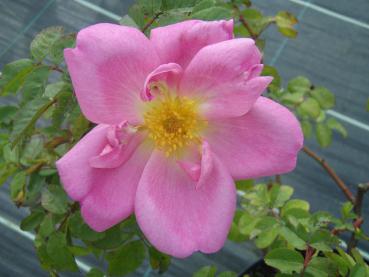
column 173, row 123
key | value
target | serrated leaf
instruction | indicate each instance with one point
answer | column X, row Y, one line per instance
column 57, row 49
column 17, row 186
column 7, row 113
column 307, row 129
column 340, row 262
column 128, row 21
column 285, row 22
column 310, row 107
column 325, row 98
column 213, row 13
column 35, row 83
column 112, row 238
column 46, row 226
column 54, row 199
column 206, row 271
column 53, row 89
column 202, row 5
column 247, row 223
column 267, row 236
column 81, row 230
column 322, row 240
column 321, row 267
column 27, row 117
column 323, row 135
column 33, row 220
column 133, row 255
column 333, row 124
column 295, row 204
column 284, row 259
column 10, row 155
column 42, row 43
column 299, row 84
column 57, row 249
column 292, row 238
column 14, row 74
column 359, row 271
column 272, row 71
column 279, row 195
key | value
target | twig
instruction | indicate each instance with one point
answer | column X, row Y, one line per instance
column 35, row 167
column 151, row 21
column 244, row 22
column 308, row 256
column 358, row 206
column 278, row 179
column 331, row 173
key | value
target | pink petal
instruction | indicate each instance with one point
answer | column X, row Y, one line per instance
column 180, row 42
column 225, row 77
column 76, row 175
column 108, row 68
column 168, row 73
column 263, row 142
column 112, row 196
column 177, row 215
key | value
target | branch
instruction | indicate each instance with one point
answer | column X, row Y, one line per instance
column 331, row 173
column 245, row 23
column 358, row 206
column 151, row 21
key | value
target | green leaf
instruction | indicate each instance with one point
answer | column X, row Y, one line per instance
column 267, row 236
column 79, row 250
column 247, row 223
column 56, row 51
column 348, row 259
column 27, row 117
column 17, row 186
column 57, row 249
column 357, row 256
column 325, row 98
column 279, row 195
column 346, row 210
column 285, row 22
column 32, row 150
column 310, row 107
column 322, row 240
column 95, row 272
column 53, row 89
column 323, row 135
column 42, row 43
column 32, row 220
column 206, row 271
column 272, row 71
column 10, row 155
column 47, row 226
column 307, row 129
column 333, row 124
column 292, row 98
column 128, row 21
column 159, row 261
column 295, row 204
column 299, row 84
column 35, row 83
column 14, row 74
column 292, row 238
column 359, row 271
column 213, row 13
column 81, row 230
column 202, row 5
column 244, row 185
column 7, row 113
column 321, row 267
column 113, row 238
column 340, row 262
column 54, row 199
column 285, row 260
column 175, row 4
column 132, row 253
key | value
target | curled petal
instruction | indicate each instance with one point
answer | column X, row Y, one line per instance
column 225, row 77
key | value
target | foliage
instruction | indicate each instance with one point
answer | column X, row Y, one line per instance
column 43, row 121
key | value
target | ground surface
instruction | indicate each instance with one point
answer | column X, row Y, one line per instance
column 332, row 50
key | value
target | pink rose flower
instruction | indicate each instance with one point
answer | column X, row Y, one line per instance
column 179, row 117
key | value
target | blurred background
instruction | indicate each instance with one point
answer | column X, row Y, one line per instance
column 332, row 50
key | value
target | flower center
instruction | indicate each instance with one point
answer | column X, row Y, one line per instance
column 173, row 122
